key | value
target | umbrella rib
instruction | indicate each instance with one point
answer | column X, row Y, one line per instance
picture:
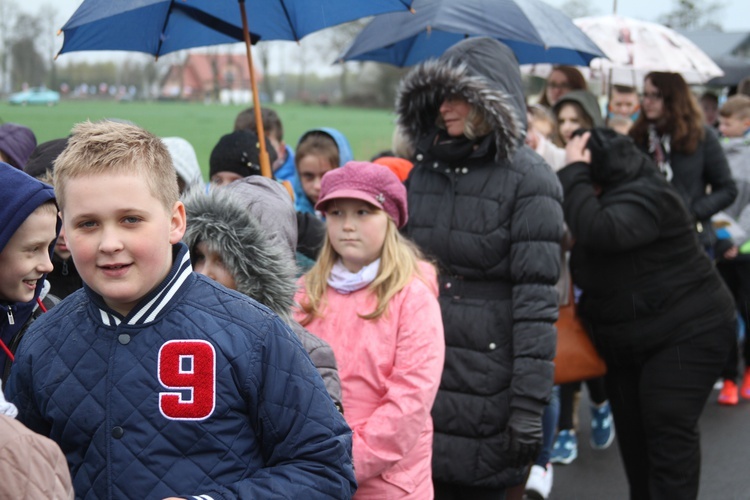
column 163, row 28
column 289, row 20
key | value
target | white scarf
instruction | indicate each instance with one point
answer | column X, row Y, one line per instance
column 344, row 281
column 6, row 408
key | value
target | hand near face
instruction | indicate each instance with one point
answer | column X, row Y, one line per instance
column 532, row 139
column 576, row 151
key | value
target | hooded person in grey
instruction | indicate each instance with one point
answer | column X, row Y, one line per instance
column 251, row 225
column 488, row 210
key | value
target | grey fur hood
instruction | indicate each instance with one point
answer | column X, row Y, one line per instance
column 254, row 246
column 483, row 71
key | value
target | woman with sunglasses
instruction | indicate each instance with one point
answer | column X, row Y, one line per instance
column 671, row 130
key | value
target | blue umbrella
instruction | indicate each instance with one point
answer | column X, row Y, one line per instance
column 161, row 26
column 534, row 31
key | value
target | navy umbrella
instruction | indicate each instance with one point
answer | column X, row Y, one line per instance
column 534, row 31
column 161, row 26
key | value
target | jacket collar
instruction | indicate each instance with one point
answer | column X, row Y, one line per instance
column 150, row 307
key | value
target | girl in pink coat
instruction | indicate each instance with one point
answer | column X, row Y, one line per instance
column 373, row 298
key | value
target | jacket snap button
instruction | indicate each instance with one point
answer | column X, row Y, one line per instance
column 420, row 156
column 117, row 432
column 493, row 346
column 447, row 171
column 464, row 170
column 458, row 170
column 124, row 338
column 448, row 285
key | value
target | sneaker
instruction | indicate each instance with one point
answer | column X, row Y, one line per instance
column 728, row 394
column 745, row 389
column 565, row 449
column 539, row 484
column 602, row 427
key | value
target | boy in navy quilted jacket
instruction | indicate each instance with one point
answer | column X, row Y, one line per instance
column 158, row 382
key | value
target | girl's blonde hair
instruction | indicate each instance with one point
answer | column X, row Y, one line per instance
column 399, row 262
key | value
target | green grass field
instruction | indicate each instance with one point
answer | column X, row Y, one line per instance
column 368, row 131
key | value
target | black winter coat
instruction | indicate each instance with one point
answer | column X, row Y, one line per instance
column 645, row 278
column 706, row 167
column 492, row 219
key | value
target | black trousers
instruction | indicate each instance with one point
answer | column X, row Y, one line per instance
column 597, row 395
column 736, row 274
column 448, row 491
column 656, row 404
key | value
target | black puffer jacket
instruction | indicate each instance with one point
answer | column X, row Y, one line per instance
column 646, row 280
column 492, row 219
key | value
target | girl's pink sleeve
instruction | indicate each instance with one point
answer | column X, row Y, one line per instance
column 395, row 426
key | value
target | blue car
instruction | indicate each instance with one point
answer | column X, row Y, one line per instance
column 36, row 95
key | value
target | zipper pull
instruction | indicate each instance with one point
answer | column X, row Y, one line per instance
column 65, row 268
column 11, row 319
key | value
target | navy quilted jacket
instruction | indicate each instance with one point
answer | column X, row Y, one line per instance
column 199, row 391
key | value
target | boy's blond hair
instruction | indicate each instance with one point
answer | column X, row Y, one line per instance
column 112, row 147
column 738, row 106
column 399, row 263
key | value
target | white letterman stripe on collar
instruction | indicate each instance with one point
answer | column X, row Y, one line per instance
column 150, row 310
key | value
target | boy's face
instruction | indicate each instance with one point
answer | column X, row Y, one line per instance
column 624, row 104
column 733, row 126
column 311, row 169
column 25, row 258
column 120, row 236
column 211, row 264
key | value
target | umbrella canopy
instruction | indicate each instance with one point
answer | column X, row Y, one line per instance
column 534, row 31
column 635, row 47
column 161, row 26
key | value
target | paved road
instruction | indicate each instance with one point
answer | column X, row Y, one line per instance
column 725, row 474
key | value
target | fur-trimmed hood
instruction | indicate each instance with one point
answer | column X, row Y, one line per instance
column 483, row 71
column 253, row 226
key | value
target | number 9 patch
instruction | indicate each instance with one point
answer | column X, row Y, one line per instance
column 188, row 366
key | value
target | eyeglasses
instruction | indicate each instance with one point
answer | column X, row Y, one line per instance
column 652, row 96
column 554, row 85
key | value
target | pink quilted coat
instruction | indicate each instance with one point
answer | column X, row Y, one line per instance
column 390, row 370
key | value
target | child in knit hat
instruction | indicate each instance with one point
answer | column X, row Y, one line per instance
column 16, row 144
column 237, row 155
column 373, row 298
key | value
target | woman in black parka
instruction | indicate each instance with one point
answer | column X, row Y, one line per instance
column 658, row 312
column 488, row 209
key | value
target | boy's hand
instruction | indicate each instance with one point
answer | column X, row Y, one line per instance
column 576, row 151
column 732, row 252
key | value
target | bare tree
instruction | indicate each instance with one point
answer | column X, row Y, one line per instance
column 8, row 11
column 693, row 14
column 28, row 65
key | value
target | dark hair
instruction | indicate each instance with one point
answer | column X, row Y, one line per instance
column 682, row 118
column 710, row 96
column 271, row 122
column 317, row 143
column 575, row 80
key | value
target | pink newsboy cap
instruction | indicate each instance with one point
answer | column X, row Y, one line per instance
column 361, row 180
